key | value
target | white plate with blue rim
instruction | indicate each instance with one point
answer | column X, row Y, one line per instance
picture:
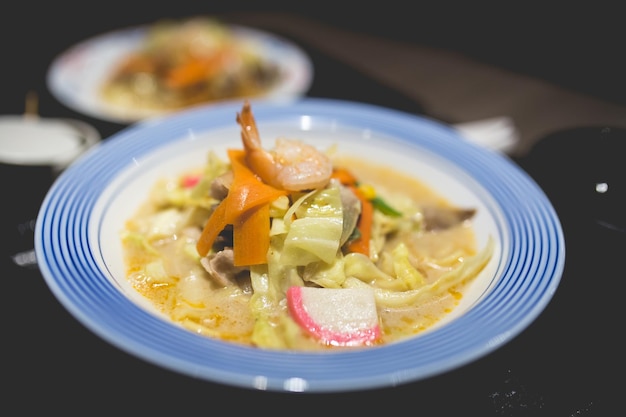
column 76, row 76
column 80, row 255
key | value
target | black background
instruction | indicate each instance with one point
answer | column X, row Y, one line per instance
column 562, row 365
column 578, row 45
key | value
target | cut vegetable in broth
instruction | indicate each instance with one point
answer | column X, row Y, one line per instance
column 250, row 248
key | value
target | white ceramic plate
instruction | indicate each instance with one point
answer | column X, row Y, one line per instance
column 80, row 255
column 76, row 75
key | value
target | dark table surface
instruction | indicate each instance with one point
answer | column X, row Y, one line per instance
column 566, row 363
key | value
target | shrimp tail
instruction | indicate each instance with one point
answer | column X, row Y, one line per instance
column 292, row 165
column 258, row 159
column 249, row 132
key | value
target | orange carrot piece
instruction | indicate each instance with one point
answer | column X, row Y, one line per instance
column 247, row 192
column 216, row 223
column 344, row 176
column 251, row 236
column 364, row 224
column 194, row 71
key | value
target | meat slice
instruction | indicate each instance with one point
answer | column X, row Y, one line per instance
column 351, row 211
column 221, row 267
column 441, row 218
column 221, row 185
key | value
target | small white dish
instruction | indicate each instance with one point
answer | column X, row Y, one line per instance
column 34, row 140
column 79, row 250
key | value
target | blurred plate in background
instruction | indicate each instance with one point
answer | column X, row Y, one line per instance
column 77, row 76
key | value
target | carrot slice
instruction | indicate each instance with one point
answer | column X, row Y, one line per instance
column 247, row 192
column 216, row 223
column 248, row 189
column 251, row 236
column 344, row 176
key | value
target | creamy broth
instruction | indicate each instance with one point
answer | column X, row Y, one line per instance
column 181, row 289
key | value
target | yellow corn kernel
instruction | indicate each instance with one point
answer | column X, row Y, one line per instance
column 368, row 191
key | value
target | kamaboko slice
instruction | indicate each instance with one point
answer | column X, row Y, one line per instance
column 336, row 316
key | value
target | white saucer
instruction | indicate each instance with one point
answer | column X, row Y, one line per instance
column 34, row 140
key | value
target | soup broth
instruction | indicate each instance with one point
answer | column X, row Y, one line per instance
column 164, row 266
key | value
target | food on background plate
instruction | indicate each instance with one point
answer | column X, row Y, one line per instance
column 298, row 248
column 188, row 62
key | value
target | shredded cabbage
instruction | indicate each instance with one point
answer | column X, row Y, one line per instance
column 306, row 231
column 315, row 233
column 468, row 269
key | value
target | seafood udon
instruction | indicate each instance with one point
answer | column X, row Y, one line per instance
column 297, row 248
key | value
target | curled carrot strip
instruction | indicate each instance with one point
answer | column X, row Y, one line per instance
column 247, row 192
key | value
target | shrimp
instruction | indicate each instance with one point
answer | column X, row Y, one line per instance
column 292, row 165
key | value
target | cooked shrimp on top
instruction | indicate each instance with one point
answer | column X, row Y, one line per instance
column 292, row 165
